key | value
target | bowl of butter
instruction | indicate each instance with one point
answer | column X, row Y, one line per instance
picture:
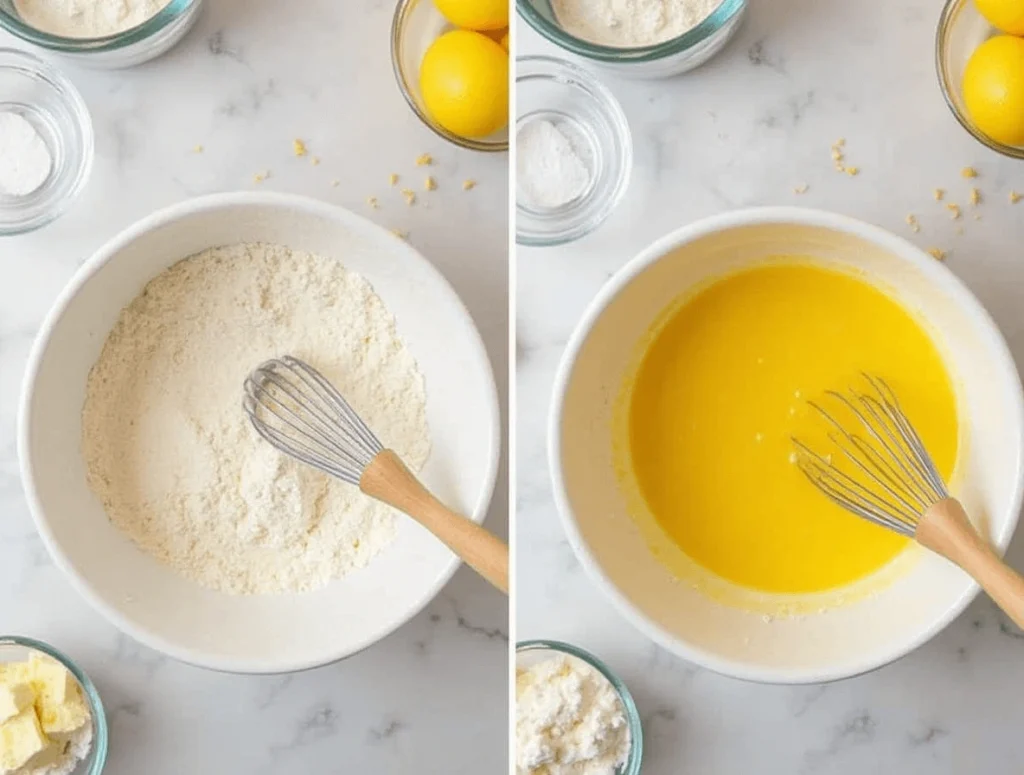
column 51, row 717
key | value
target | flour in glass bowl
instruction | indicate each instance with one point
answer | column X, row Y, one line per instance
column 172, row 455
column 631, row 23
column 87, row 18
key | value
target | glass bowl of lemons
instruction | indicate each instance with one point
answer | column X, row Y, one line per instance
column 980, row 59
column 452, row 64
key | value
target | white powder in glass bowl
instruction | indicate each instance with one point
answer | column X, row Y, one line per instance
column 87, row 18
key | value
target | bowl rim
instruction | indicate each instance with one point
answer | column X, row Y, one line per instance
column 97, row 756
column 726, row 11
column 94, row 264
column 902, row 249
column 636, row 727
column 402, row 9
column 950, row 10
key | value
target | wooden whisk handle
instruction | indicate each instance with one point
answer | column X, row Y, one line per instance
column 387, row 479
column 946, row 530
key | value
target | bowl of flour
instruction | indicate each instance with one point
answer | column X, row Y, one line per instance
column 637, row 38
column 159, row 501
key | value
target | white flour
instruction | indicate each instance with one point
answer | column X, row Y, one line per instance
column 550, row 172
column 631, row 23
column 569, row 720
column 87, row 18
column 173, row 456
column 25, row 161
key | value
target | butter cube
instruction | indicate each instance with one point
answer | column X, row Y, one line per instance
column 21, row 738
column 14, row 698
column 51, row 679
column 59, row 700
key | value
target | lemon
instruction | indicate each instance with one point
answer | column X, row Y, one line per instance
column 994, row 88
column 1005, row 15
column 504, row 41
column 475, row 14
column 464, row 81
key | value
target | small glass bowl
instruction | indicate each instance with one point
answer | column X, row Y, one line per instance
column 50, row 103
column 14, row 648
column 417, row 24
column 530, row 652
column 154, row 37
column 961, row 30
column 572, row 99
column 662, row 60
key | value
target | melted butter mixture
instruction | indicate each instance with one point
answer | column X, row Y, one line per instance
column 723, row 388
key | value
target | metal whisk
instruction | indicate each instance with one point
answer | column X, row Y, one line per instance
column 879, row 469
column 295, row 408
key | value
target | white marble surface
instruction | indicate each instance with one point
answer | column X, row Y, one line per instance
column 744, row 130
column 249, row 78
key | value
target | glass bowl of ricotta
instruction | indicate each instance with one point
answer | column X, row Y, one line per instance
column 46, row 142
column 574, row 152
column 653, row 39
column 101, row 33
column 82, row 751
column 580, row 667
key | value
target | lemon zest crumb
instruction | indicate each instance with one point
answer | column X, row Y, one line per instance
column 975, row 197
column 259, row 177
column 954, row 210
column 939, row 193
column 298, row 147
column 372, row 201
column 1015, row 197
column 936, row 253
column 314, row 160
column 468, row 184
column 911, row 220
column 424, row 160
column 197, row 149
column 410, row 196
column 393, row 178
column 969, row 172
column 852, row 171
column 400, row 234
column 430, row 184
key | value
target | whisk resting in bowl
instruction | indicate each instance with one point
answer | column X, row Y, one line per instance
column 880, row 470
column 295, row 408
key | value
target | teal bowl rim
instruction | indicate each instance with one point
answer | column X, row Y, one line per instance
column 719, row 18
column 170, row 13
column 636, row 732
column 98, row 750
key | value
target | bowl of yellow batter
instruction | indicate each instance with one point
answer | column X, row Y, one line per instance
column 671, row 440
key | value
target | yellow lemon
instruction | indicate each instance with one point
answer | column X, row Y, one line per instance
column 475, row 14
column 994, row 88
column 504, row 41
column 464, row 81
column 1006, row 15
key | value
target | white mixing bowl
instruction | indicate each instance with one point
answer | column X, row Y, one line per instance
column 845, row 640
column 257, row 634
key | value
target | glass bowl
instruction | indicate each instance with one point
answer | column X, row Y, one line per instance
column 154, row 37
column 662, row 60
column 549, row 89
column 31, row 88
column 14, row 648
column 961, row 30
column 417, row 24
column 530, row 652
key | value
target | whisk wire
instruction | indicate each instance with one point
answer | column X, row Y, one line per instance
column 900, row 479
column 295, row 408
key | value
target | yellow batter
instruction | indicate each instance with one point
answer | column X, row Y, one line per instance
column 723, row 388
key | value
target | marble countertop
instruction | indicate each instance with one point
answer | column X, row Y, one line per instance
column 747, row 129
column 249, row 78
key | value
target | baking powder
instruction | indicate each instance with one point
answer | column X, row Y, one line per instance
column 631, row 23
column 25, row 161
column 552, row 170
column 173, row 456
column 569, row 720
column 87, row 18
